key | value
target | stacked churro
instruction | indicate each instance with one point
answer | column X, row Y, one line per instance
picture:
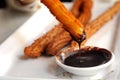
column 90, row 28
column 65, row 38
column 96, row 24
column 57, row 38
column 72, row 25
column 40, row 45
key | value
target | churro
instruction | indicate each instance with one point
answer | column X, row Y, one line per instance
column 72, row 24
column 84, row 17
column 39, row 45
column 94, row 26
column 37, row 48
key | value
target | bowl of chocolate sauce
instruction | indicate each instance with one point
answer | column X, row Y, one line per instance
column 86, row 61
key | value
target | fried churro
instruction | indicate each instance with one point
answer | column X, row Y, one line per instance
column 37, row 48
column 63, row 39
column 72, row 24
column 96, row 24
column 85, row 10
column 76, row 8
column 39, row 45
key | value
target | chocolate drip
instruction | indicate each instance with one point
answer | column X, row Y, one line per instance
column 81, row 39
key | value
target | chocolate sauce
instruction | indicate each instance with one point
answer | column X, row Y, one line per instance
column 79, row 40
column 88, row 57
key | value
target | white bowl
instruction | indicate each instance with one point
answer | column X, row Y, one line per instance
column 83, row 71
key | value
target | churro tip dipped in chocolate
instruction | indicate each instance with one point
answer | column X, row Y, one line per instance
column 81, row 9
column 57, row 38
column 72, row 25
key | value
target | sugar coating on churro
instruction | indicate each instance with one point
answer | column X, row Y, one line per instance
column 96, row 24
column 39, row 45
column 84, row 17
column 72, row 25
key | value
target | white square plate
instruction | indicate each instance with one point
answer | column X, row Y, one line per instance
column 13, row 66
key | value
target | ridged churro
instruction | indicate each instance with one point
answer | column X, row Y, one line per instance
column 63, row 40
column 72, row 24
column 94, row 26
column 84, row 17
column 37, row 48
column 39, row 45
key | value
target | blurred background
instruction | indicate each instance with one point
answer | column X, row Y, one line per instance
column 2, row 4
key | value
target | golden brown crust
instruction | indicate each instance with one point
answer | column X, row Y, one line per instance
column 96, row 24
column 37, row 48
column 91, row 28
column 84, row 17
column 75, row 10
column 72, row 24
column 39, row 45
column 62, row 40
